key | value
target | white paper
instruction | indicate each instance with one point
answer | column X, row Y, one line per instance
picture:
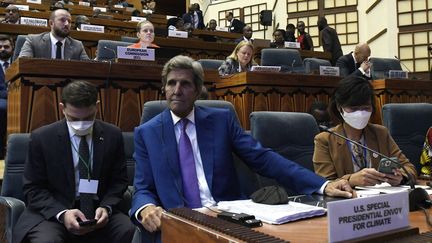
column 88, row 186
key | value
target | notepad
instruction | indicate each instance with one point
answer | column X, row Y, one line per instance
column 272, row 214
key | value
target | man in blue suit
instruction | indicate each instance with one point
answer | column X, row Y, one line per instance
column 213, row 135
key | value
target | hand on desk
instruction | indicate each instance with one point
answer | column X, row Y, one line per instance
column 367, row 177
column 340, row 188
column 151, row 218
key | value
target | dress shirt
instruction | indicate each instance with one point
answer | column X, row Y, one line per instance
column 195, row 20
column 2, row 64
column 54, row 46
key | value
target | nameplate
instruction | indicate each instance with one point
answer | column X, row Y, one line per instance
column 33, row 21
column 265, row 68
column 35, row 1
column 289, row 44
column 170, row 17
column 101, row 9
column 354, row 218
column 22, row 7
column 84, row 3
column 398, row 74
column 177, row 33
column 136, row 53
column 118, row 6
column 147, row 11
column 93, row 28
column 224, row 29
column 329, row 71
column 137, row 19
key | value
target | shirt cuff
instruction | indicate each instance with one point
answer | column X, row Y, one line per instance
column 60, row 214
column 137, row 213
column 367, row 74
column 321, row 190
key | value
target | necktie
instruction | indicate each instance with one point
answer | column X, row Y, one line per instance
column 187, row 164
column 359, row 158
column 59, row 50
column 86, row 199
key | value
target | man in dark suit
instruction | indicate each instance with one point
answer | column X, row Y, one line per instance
column 199, row 18
column 55, row 44
column 184, row 155
column 355, row 63
column 236, row 26
column 75, row 172
column 247, row 35
column 329, row 40
column 6, row 51
column 12, row 15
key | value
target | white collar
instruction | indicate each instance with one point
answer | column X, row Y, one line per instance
column 190, row 117
column 55, row 40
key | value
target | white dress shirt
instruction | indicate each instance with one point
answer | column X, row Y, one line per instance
column 54, row 46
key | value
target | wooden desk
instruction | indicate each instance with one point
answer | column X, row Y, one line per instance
column 36, row 84
column 260, row 91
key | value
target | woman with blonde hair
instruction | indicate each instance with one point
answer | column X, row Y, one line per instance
column 145, row 33
column 240, row 60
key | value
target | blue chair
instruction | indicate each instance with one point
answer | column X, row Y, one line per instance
column 408, row 124
column 288, row 59
column 312, row 65
column 381, row 66
column 213, row 64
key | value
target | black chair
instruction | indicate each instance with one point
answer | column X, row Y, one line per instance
column 381, row 66
column 129, row 39
column 408, row 124
column 312, row 65
column 288, row 59
column 12, row 197
column 290, row 134
column 107, row 49
column 213, row 64
column 247, row 178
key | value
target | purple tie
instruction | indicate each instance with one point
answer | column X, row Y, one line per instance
column 187, row 163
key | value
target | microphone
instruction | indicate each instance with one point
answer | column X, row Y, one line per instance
column 292, row 65
column 409, row 70
column 417, row 196
column 112, row 51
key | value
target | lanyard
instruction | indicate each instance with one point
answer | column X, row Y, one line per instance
column 87, row 164
column 360, row 164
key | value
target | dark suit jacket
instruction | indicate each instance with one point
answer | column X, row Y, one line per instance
column 188, row 18
column 158, row 177
column 330, row 43
column 49, row 177
column 332, row 157
column 39, row 46
column 348, row 67
column 236, row 26
column 3, row 87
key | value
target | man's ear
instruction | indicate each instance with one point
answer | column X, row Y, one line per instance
column 50, row 23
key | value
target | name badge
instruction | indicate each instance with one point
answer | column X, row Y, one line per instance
column 88, row 186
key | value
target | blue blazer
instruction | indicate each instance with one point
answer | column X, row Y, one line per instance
column 157, row 173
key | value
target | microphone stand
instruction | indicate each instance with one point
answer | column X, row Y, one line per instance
column 417, row 196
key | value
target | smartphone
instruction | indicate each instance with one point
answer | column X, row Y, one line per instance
column 90, row 222
column 386, row 166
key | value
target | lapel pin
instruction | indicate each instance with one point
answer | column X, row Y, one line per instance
column 101, row 138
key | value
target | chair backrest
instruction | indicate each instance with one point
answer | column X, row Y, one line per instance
column 291, row 134
column 107, row 49
column 382, row 66
column 210, row 63
column 408, row 124
column 312, row 65
column 16, row 154
column 288, row 59
column 153, row 108
column 129, row 39
column 18, row 45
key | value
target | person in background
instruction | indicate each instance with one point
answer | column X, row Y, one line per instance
column 149, row 5
column 329, row 40
column 426, row 154
column 212, row 25
column 356, row 63
column 290, row 33
column 145, row 33
column 96, row 13
column 198, row 17
column 124, row 3
column 79, row 20
column 235, row 25
column 189, row 16
column 240, row 60
column 67, row 2
column 175, row 24
column 58, row 5
column 247, row 35
column 278, row 39
column 334, row 158
column 319, row 111
column 184, row 155
column 12, row 15
column 6, row 52
column 303, row 37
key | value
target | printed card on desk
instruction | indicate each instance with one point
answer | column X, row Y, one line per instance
column 136, row 53
column 22, row 7
column 289, row 44
column 101, row 9
column 137, row 19
column 329, row 71
column 33, row 21
column 93, row 28
column 84, row 3
column 177, row 33
column 354, row 218
column 265, row 68
column 35, row 1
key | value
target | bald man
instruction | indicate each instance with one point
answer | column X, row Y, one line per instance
column 355, row 63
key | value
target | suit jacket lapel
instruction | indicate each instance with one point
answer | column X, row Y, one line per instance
column 98, row 149
column 345, row 152
column 65, row 148
column 205, row 137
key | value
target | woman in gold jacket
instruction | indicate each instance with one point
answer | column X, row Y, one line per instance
column 353, row 104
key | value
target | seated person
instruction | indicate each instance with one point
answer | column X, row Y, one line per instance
column 278, row 39
column 335, row 158
column 247, row 35
column 426, row 155
column 145, row 33
column 175, row 24
column 56, row 44
column 12, row 15
column 212, row 24
column 290, row 31
column 67, row 2
column 356, row 63
column 79, row 20
column 240, row 60
column 319, row 111
column 149, row 6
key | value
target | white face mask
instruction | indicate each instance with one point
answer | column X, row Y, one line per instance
column 357, row 119
column 81, row 128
